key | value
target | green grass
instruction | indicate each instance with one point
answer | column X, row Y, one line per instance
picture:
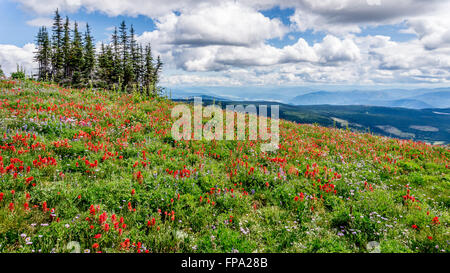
column 105, row 195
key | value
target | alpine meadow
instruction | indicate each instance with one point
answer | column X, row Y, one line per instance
column 92, row 157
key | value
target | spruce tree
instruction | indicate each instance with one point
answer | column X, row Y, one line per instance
column 43, row 54
column 148, row 70
column 156, row 72
column 101, row 67
column 105, row 66
column 46, row 54
column 66, row 43
column 134, row 58
column 109, row 64
column 57, row 39
column 116, row 70
column 89, row 54
column 123, row 43
column 127, row 67
column 38, row 57
column 140, row 65
column 76, row 56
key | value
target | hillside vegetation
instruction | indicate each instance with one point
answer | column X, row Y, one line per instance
column 94, row 170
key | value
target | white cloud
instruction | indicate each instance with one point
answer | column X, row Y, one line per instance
column 226, row 43
column 342, row 17
column 365, row 60
column 303, row 20
column 221, row 57
column 11, row 56
column 373, row 2
column 337, row 11
column 226, row 24
column 223, row 24
column 231, row 35
column 151, row 8
column 333, row 50
column 433, row 31
column 40, row 21
column 48, row 22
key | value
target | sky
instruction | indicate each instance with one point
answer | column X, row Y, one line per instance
column 251, row 43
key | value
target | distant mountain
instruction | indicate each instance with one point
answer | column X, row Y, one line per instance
column 393, row 98
column 440, row 99
column 205, row 97
column 405, row 103
column 339, row 97
column 298, row 95
column 281, row 94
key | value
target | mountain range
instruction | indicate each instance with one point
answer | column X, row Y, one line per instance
column 414, row 99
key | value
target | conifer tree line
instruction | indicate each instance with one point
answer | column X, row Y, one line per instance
column 69, row 57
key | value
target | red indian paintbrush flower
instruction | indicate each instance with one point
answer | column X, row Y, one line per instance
column 436, row 220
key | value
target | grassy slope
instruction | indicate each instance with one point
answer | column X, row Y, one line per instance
column 105, row 163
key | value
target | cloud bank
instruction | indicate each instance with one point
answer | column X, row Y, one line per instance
column 11, row 56
column 229, row 42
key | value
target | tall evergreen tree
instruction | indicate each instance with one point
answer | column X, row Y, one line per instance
column 76, row 56
column 117, row 72
column 109, row 61
column 123, row 43
column 89, row 54
column 37, row 57
column 43, row 54
column 102, row 71
column 148, row 70
column 57, row 39
column 127, row 68
column 156, row 73
column 134, row 57
column 66, row 44
column 140, row 65
column 106, row 66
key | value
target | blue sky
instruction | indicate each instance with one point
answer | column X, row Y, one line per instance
column 367, row 43
column 21, row 32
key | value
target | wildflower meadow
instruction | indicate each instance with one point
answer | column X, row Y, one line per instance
column 86, row 170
